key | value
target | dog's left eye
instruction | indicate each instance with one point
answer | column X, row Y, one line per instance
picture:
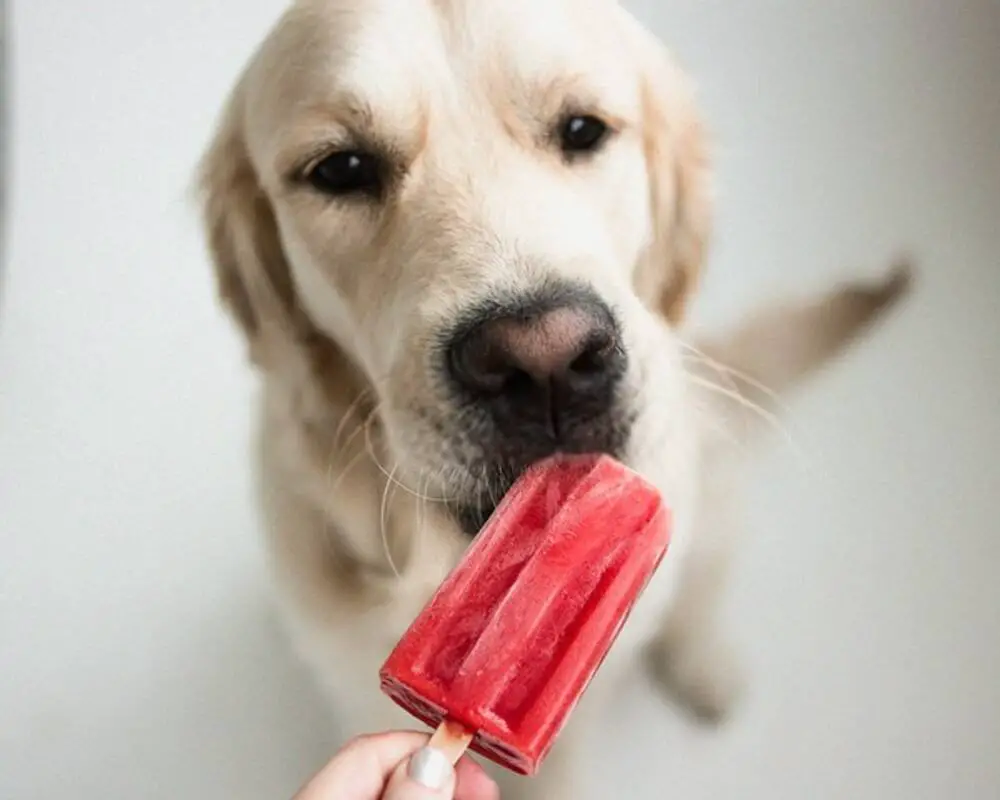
column 582, row 133
column 347, row 172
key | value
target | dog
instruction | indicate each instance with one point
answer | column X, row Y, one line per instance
column 460, row 236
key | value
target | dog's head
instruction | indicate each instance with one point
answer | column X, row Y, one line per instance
column 494, row 210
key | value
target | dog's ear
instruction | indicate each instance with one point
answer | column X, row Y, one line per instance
column 677, row 156
column 252, row 274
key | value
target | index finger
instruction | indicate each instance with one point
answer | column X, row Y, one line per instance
column 362, row 768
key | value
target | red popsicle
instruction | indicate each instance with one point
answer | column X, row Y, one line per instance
column 511, row 639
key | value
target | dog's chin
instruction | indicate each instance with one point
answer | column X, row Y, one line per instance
column 505, row 456
column 472, row 518
column 473, row 511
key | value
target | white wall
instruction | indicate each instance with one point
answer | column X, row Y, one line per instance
column 137, row 656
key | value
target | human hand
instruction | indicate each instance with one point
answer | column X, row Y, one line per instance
column 397, row 766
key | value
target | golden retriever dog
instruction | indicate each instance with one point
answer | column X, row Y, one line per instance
column 460, row 236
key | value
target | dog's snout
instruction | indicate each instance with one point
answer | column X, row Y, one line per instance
column 542, row 369
column 570, row 346
column 532, row 376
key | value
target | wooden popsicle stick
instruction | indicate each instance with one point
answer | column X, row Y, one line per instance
column 451, row 739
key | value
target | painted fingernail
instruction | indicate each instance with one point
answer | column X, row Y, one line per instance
column 430, row 767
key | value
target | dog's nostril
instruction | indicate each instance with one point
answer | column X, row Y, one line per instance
column 518, row 382
column 595, row 356
column 477, row 365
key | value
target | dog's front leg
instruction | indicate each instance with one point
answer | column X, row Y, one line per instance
column 774, row 351
column 691, row 656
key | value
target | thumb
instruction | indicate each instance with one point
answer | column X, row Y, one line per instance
column 426, row 775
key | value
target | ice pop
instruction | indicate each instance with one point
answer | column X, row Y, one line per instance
column 507, row 645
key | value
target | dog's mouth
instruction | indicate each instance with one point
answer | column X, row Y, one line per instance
column 472, row 518
column 474, row 511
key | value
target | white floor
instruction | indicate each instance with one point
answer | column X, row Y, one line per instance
column 137, row 655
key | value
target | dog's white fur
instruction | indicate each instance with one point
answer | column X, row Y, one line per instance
column 341, row 302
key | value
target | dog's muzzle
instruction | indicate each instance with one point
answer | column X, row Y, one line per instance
column 536, row 375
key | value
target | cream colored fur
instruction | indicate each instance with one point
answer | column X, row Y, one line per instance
column 341, row 302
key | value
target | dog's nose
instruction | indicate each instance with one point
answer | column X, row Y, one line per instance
column 556, row 364
column 565, row 345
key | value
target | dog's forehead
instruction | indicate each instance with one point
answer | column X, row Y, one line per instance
column 396, row 54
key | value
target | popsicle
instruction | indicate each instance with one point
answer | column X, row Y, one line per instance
column 505, row 648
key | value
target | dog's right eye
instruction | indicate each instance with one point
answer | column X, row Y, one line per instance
column 347, row 172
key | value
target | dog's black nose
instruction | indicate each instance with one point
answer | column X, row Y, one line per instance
column 542, row 368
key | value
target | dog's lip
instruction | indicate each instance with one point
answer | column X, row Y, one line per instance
column 472, row 516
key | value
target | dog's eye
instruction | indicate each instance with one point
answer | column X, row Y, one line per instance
column 582, row 133
column 347, row 172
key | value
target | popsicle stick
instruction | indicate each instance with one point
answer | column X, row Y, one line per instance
column 451, row 739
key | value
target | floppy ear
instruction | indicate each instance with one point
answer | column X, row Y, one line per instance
column 252, row 274
column 677, row 157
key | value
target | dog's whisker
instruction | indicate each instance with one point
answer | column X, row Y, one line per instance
column 334, row 483
column 383, row 526
column 732, row 372
column 739, row 399
column 421, row 522
column 729, row 373
column 358, row 429
column 332, row 453
column 390, row 476
column 710, row 421
column 700, row 360
column 342, row 475
column 696, row 356
column 768, row 417
column 423, row 505
column 336, row 450
column 348, row 414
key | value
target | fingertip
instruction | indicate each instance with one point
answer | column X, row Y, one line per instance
column 431, row 768
column 422, row 776
column 473, row 782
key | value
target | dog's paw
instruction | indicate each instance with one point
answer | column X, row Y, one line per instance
column 549, row 784
column 703, row 678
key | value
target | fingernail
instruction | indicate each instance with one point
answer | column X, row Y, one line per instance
column 430, row 768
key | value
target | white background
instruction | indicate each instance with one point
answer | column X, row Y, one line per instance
column 138, row 657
